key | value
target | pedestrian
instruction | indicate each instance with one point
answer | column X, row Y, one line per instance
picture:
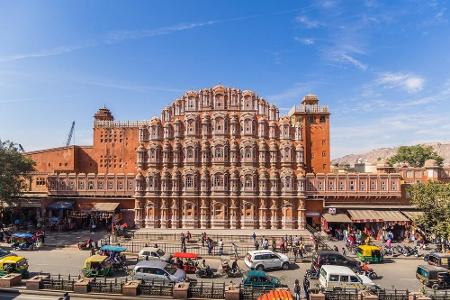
column 344, row 252
column 92, row 251
column 220, row 244
column 203, row 239
column 306, row 287
column 256, row 245
column 235, row 250
column 254, row 236
column 335, row 248
column 297, row 290
column 295, row 250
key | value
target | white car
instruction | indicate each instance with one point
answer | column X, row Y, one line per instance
column 151, row 253
column 266, row 259
column 331, row 277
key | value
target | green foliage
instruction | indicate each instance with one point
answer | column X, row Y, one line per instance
column 433, row 198
column 415, row 156
column 13, row 169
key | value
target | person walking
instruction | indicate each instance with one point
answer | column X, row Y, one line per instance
column 209, row 245
column 220, row 244
column 256, row 245
column 234, row 248
column 295, row 251
column 254, row 236
column 297, row 290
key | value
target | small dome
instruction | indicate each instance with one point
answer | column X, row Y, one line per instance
column 310, row 99
column 104, row 114
column 431, row 163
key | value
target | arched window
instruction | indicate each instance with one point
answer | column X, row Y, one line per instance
column 218, row 180
column 190, row 152
column 248, row 152
column 248, row 182
column 189, row 181
column 218, row 152
column 287, row 182
column 190, row 126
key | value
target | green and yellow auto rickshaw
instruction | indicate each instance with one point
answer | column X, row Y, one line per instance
column 369, row 253
column 14, row 264
column 97, row 266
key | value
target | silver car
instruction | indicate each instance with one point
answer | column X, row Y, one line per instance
column 148, row 270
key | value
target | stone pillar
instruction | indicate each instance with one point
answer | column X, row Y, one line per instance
column 301, row 219
column 130, row 288
column 180, row 290
column 262, row 214
column 274, row 224
column 175, row 213
column 234, row 214
column 138, row 213
column 204, row 214
column 10, row 280
column 164, row 213
column 82, row 286
column 35, row 283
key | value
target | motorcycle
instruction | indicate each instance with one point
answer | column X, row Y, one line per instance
column 310, row 273
column 227, row 271
column 369, row 273
column 204, row 273
column 86, row 245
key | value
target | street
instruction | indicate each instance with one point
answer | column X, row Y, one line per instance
column 394, row 273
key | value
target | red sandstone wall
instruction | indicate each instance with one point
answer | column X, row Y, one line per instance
column 114, row 149
column 319, row 144
column 52, row 160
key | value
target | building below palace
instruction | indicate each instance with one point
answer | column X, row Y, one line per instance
column 216, row 158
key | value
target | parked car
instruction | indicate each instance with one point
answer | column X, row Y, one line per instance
column 331, row 277
column 266, row 259
column 148, row 270
column 333, row 258
column 149, row 253
column 260, row 279
column 438, row 260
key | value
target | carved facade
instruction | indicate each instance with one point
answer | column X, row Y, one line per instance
column 221, row 158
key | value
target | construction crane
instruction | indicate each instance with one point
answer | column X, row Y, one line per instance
column 69, row 138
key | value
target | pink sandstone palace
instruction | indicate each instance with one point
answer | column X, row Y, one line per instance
column 216, row 158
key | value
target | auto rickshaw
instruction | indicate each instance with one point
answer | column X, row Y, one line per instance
column 115, row 256
column 23, row 241
column 14, row 264
column 439, row 260
column 434, row 277
column 97, row 266
column 186, row 261
column 369, row 253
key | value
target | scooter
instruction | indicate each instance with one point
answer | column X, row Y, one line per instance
column 370, row 273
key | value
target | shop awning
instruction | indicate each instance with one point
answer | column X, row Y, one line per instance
column 364, row 215
column 412, row 215
column 105, row 207
column 336, row 218
column 392, row 216
column 61, row 205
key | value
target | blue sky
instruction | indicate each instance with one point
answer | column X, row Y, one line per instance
column 383, row 67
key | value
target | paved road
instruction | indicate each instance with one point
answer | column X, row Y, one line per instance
column 399, row 272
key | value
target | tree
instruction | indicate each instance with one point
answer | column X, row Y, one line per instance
column 415, row 156
column 433, row 198
column 13, row 171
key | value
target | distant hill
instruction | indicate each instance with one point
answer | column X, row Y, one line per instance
column 443, row 149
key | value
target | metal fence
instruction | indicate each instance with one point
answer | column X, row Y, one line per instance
column 156, row 288
column 439, row 295
column 341, row 294
column 59, row 282
column 104, row 286
column 136, row 246
column 392, row 294
column 209, row 290
column 252, row 293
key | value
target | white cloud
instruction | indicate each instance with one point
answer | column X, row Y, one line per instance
column 44, row 53
column 305, row 41
column 308, row 23
column 408, row 82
